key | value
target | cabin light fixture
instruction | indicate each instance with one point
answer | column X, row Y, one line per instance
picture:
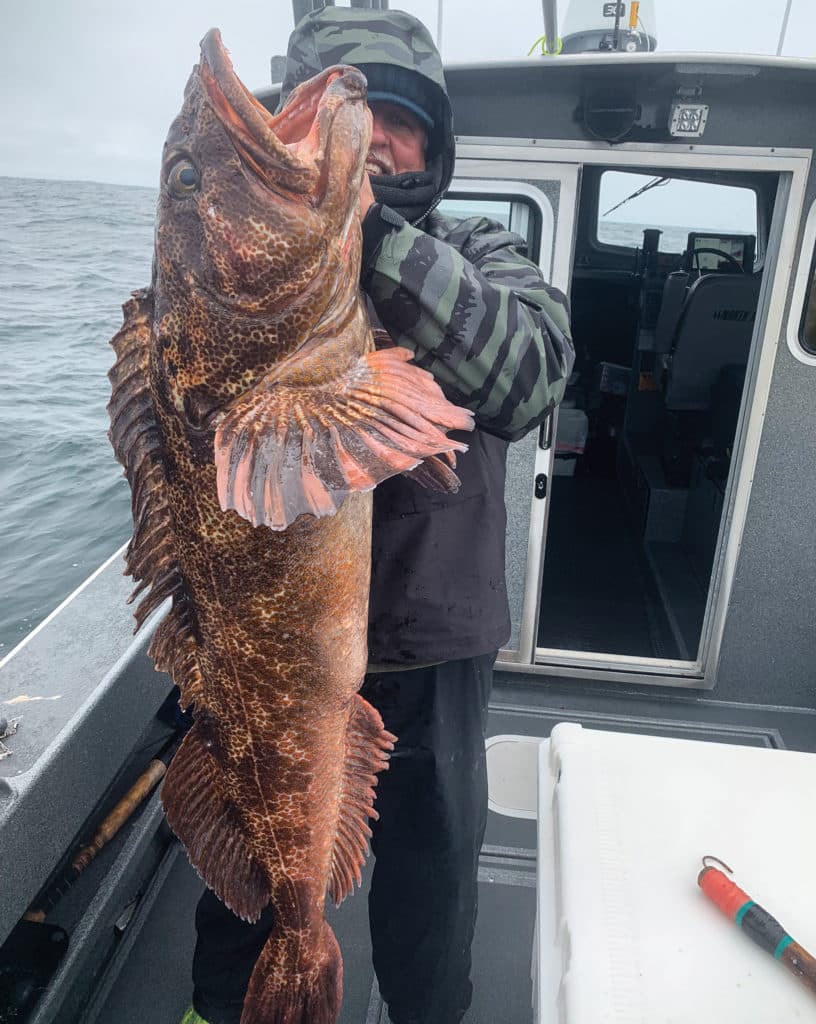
column 687, row 120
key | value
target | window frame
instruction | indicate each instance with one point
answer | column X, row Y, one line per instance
column 802, row 288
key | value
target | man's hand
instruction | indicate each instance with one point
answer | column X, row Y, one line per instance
column 366, row 197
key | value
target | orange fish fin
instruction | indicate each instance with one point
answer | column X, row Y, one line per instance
column 294, row 981
column 150, row 558
column 367, row 747
column 285, row 449
column 435, row 474
column 209, row 827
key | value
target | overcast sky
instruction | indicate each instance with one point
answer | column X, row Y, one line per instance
column 88, row 88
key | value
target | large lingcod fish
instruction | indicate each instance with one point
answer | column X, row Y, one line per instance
column 253, row 416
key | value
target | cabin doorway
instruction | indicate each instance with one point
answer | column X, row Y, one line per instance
column 626, row 510
column 665, row 290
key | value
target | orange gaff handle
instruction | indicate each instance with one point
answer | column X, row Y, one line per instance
column 724, row 893
column 758, row 924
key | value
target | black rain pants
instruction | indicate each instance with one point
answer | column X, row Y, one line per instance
column 432, row 803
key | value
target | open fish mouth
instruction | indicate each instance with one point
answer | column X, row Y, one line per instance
column 285, row 150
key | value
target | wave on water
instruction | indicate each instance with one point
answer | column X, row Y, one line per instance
column 70, row 255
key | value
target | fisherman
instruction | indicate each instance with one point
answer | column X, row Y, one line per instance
column 478, row 315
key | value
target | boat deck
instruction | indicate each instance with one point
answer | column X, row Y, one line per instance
column 146, row 974
column 90, row 726
column 163, row 948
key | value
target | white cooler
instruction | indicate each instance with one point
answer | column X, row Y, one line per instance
column 624, row 934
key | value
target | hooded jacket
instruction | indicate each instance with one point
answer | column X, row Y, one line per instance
column 478, row 315
column 393, row 50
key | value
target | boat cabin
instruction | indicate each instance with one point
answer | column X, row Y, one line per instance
column 661, row 550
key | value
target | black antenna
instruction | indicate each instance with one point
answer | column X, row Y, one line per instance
column 300, row 8
column 616, row 33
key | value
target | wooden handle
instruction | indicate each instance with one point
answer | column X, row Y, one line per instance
column 141, row 788
column 799, row 962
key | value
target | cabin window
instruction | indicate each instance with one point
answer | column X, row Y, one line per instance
column 517, row 213
column 628, row 203
column 472, row 207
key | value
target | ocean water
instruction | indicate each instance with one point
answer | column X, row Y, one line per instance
column 70, row 254
column 672, row 239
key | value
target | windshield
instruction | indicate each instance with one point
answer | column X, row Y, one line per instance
column 628, row 203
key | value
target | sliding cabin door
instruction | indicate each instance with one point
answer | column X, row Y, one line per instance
column 540, row 207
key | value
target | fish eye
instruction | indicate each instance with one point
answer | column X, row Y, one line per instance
column 183, row 179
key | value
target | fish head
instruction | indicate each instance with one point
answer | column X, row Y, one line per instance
column 257, row 225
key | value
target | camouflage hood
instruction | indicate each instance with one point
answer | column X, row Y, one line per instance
column 395, row 51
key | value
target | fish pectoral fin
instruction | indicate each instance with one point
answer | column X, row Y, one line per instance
column 367, row 748
column 208, row 825
column 285, row 449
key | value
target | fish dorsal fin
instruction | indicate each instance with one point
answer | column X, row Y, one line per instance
column 287, row 449
column 367, row 747
column 150, row 558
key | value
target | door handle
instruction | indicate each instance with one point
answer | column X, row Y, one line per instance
column 545, row 433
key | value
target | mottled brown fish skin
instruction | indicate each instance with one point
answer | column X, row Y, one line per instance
column 280, row 616
column 235, row 262
column 245, row 393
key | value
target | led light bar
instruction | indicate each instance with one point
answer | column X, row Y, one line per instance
column 688, row 120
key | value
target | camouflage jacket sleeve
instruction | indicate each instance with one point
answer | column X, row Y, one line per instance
column 477, row 313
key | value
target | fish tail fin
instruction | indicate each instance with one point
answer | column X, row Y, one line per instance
column 284, row 989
